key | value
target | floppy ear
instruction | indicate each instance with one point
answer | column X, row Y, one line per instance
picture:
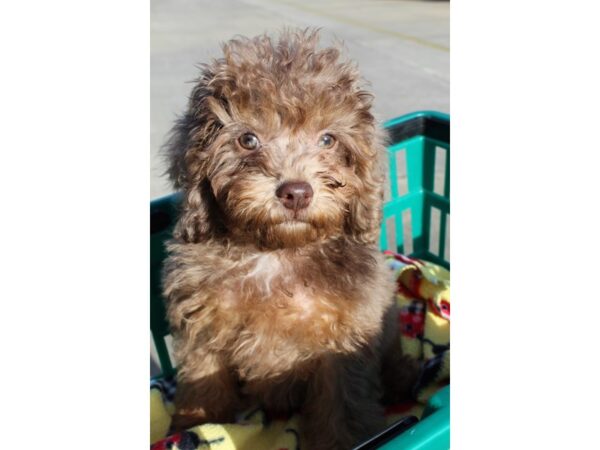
column 186, row 152
column 366, row 208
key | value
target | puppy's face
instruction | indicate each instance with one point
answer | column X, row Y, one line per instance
column 283, row 185
column 280, row 147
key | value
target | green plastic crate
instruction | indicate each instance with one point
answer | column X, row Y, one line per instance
column 416, row 222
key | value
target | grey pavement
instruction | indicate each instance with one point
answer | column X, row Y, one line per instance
column 401, row 46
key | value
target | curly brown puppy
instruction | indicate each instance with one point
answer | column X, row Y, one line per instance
column 276, row 288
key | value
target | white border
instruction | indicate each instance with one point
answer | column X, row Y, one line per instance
column 75, row 190
column 525, row 98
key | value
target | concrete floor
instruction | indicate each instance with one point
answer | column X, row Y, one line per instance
column 402, row 48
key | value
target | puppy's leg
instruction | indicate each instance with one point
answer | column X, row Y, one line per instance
column 399, row 371
column 206, row 392
column 342, row 407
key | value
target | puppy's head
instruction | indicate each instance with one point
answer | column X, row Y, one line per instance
column 278, row 147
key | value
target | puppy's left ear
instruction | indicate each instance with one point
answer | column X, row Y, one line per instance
column 366, row 208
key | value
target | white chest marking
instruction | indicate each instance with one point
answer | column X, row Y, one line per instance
column 266, row 267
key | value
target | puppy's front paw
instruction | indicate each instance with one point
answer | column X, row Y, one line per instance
column 183, row 420
column 342, row 436
column 321, row 441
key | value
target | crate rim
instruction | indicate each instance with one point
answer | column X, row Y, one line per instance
column 416, row 114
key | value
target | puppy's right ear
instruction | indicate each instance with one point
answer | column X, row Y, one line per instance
column 192, row 134
column 187, row 154
column 176, row 147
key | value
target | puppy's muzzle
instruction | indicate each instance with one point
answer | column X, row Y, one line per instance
column 295, row 195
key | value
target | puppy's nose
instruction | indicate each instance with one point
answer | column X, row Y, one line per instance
column 295, row 195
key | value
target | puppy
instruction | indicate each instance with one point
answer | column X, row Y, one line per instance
column 276, row 291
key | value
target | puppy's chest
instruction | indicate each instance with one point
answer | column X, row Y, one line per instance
column 279, row 307
column 275, row 288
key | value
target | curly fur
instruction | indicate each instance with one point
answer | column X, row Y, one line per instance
column 288, row 309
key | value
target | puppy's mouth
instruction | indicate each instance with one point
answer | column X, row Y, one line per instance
column 294, row 222
column 295, row 218
column 298, row 221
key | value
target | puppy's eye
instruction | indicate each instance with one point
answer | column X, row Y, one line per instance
column 326, row 141
column 249, row 141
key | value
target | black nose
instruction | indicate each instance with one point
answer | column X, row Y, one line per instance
column 295, row 195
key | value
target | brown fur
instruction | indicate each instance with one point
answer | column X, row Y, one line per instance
column 267, row 305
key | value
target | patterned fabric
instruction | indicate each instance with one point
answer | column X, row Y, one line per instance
column 423, row 299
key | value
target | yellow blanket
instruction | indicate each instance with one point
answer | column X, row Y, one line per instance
column 423, row 297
